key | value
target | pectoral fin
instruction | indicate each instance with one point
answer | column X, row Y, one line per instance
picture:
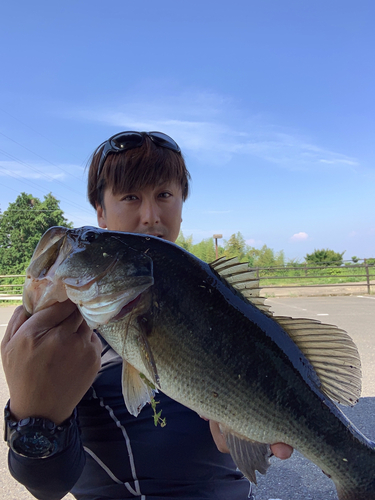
column 249, row 456
column 136, row 389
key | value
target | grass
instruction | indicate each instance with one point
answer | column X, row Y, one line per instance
column 311, row 281
column 4, row 303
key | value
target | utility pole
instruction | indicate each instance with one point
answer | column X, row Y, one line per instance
column 216, row 237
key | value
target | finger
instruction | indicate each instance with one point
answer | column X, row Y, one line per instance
column 89, row 343
column 15, row 322
column 97, row 343
column 40, row 324
column 75, row 330
column 281, row 450
column 74, row 324
column 52, row 316
column 204, row 418
column 218, row 437
column 92, row 337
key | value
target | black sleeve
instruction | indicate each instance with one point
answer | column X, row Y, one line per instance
column 50, row 478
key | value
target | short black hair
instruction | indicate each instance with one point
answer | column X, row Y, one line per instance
column 134, row 169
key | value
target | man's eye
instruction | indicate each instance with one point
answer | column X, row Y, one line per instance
column 165, row 195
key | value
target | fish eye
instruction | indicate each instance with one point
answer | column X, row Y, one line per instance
column 90, row 236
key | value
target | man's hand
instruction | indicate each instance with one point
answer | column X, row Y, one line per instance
column 280, row 450
column 50, row 360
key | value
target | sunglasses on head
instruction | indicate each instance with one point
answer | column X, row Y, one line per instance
column 129, row 140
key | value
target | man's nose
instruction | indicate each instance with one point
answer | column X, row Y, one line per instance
column 149, row 213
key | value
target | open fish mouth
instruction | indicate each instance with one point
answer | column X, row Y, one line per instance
column 104, row 309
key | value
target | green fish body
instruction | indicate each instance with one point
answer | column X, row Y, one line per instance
column 201, row 334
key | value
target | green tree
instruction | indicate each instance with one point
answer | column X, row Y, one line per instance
column 205, row 250
column 294, row 263
column 325, row 257
column 265, row 257
column 21, row 227
column 185, row 242
column 236, row 247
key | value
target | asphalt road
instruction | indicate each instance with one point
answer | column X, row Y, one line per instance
column 295, row 478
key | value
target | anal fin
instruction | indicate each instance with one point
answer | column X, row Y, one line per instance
column 249, row 456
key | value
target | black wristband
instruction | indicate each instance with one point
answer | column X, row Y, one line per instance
column 36, row 437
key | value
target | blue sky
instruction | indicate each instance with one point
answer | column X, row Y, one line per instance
column 271, row 102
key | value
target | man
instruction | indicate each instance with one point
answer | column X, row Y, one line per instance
column 56, row 367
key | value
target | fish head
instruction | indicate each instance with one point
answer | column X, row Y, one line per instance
column 96, row 271
column 102, row 274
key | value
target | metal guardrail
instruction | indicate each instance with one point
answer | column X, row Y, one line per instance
column 367, row 275
column 13, row 289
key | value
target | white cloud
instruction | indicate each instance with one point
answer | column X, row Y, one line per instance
column 344, row 160
column 31, row 170
column 214, row 130
column 299, row 236
column 253, row 243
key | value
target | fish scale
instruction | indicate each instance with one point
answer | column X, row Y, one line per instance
column 261, row 424
column 202, row 334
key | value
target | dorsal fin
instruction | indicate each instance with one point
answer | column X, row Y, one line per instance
column 329, row 349
column 237, row 274
column 332, row 353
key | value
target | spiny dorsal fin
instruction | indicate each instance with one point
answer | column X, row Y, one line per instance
column 332, row 353
column 237, row 274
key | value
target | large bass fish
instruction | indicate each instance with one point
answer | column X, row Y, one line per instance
column 201, row 334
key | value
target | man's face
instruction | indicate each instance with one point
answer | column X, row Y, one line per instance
column 150, row 210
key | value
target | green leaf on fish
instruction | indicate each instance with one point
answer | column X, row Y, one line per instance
column 147, row 382
column 157, row 416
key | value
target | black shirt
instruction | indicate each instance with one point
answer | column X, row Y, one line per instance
column 128, row 457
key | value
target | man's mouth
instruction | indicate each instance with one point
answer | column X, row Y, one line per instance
column 156, row 235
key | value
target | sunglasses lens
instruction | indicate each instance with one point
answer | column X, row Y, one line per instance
column 126, row 141
column 130, row 140
column 164, row 141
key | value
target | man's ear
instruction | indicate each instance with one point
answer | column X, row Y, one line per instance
column 100, row 214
